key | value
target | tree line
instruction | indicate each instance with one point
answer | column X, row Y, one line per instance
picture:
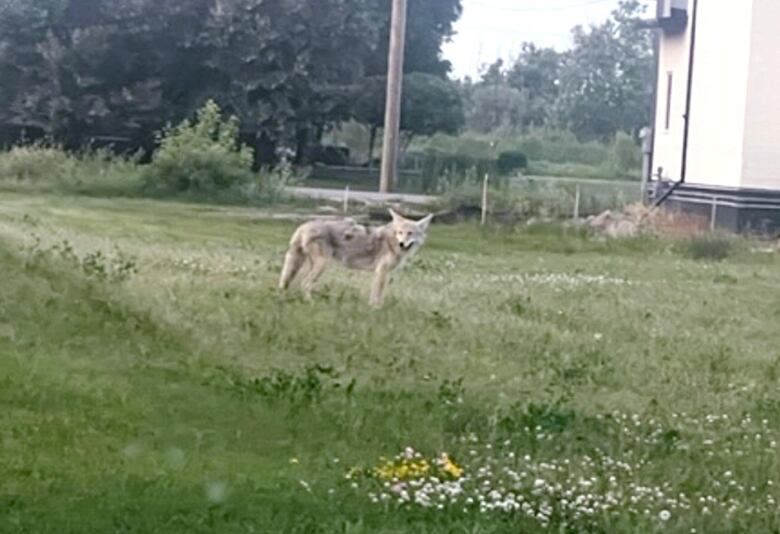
column 292, row 69
column 289, row 69
column 600, row 87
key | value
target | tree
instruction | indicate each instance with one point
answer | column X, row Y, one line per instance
column 606, row 78
column 281, row 64
column 429, row 104
column 536, row 73
column 495, row 107
column 287, row 68
column 494, row 74
column 66, row 74
column 492, row 104
column 429, row 24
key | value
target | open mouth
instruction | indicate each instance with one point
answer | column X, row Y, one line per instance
column 406, row 246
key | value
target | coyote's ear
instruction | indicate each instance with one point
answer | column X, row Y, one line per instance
column 394, row 215
column 423, row 223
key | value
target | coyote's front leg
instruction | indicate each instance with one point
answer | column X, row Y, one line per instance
column 378, row 286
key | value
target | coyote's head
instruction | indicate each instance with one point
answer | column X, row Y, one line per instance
column 410, row 234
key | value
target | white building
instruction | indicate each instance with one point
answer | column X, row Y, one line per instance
column 716, row 137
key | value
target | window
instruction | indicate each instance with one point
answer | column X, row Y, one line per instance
column 668, row 100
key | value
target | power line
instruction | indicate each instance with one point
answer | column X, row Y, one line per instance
column 540, row 8
column 504, row 30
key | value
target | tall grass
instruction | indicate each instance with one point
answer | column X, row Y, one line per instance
column 44, row 167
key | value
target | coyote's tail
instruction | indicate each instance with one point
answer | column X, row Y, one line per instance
column 293, row 261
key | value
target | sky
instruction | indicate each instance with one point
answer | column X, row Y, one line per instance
column 492, row 29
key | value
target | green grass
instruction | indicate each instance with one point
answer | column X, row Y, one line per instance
column 580, row 170
column 190, row 396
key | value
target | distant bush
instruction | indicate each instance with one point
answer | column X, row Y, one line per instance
column 625, row 159
column 201, row 157
column 511, row 161
column 533, row 148
column 708, row 247
column 442, row 171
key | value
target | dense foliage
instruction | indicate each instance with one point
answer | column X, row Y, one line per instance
column 288, row 69
column 597, row 88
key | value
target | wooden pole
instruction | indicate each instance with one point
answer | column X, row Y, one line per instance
column 577, row 202
column 484, row 198
column 395, row 73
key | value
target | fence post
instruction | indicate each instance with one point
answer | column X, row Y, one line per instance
column 577, row 202
column 484, row 198
column 346, row 199
column 713, row 213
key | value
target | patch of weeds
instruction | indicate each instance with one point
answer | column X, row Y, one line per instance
column 533, row 418
column 726, row 279
column 588, row 365
column 439, row 320
column 707, row 248
column 429, row 266
column 547, row 417
column 451, row 391
column 96, row 265
column 279, row 385
column 30, row 220
column 767, row 408
column 519, row 306
column 116, row 268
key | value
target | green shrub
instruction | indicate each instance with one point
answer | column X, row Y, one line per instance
column 201, row 157
column 626, row 156
column 511, row 161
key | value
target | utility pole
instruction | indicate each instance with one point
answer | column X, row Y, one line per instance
column 395, row 74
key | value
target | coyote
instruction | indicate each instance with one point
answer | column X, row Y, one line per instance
column 356, row 246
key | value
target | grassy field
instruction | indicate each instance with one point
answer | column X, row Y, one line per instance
column 153, row 380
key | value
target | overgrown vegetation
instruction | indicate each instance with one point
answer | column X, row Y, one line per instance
column 200, row 160
column 709, row 247
column 201, row 157
column 50, row 168
column 547, row 154
column 573, row 385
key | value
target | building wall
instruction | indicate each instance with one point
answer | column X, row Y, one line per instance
column 761, row 156
column 667, row 148
column 720, row 91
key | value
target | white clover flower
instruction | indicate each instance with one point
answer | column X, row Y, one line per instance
column 664, row 515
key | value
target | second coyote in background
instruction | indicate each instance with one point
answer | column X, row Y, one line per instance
column 355, row 246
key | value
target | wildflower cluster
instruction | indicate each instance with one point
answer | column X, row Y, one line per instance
column 555, row 281
column 559, row 280
column 205, row 266
column 411, row 465
column 411, row 477
column 633, row 473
